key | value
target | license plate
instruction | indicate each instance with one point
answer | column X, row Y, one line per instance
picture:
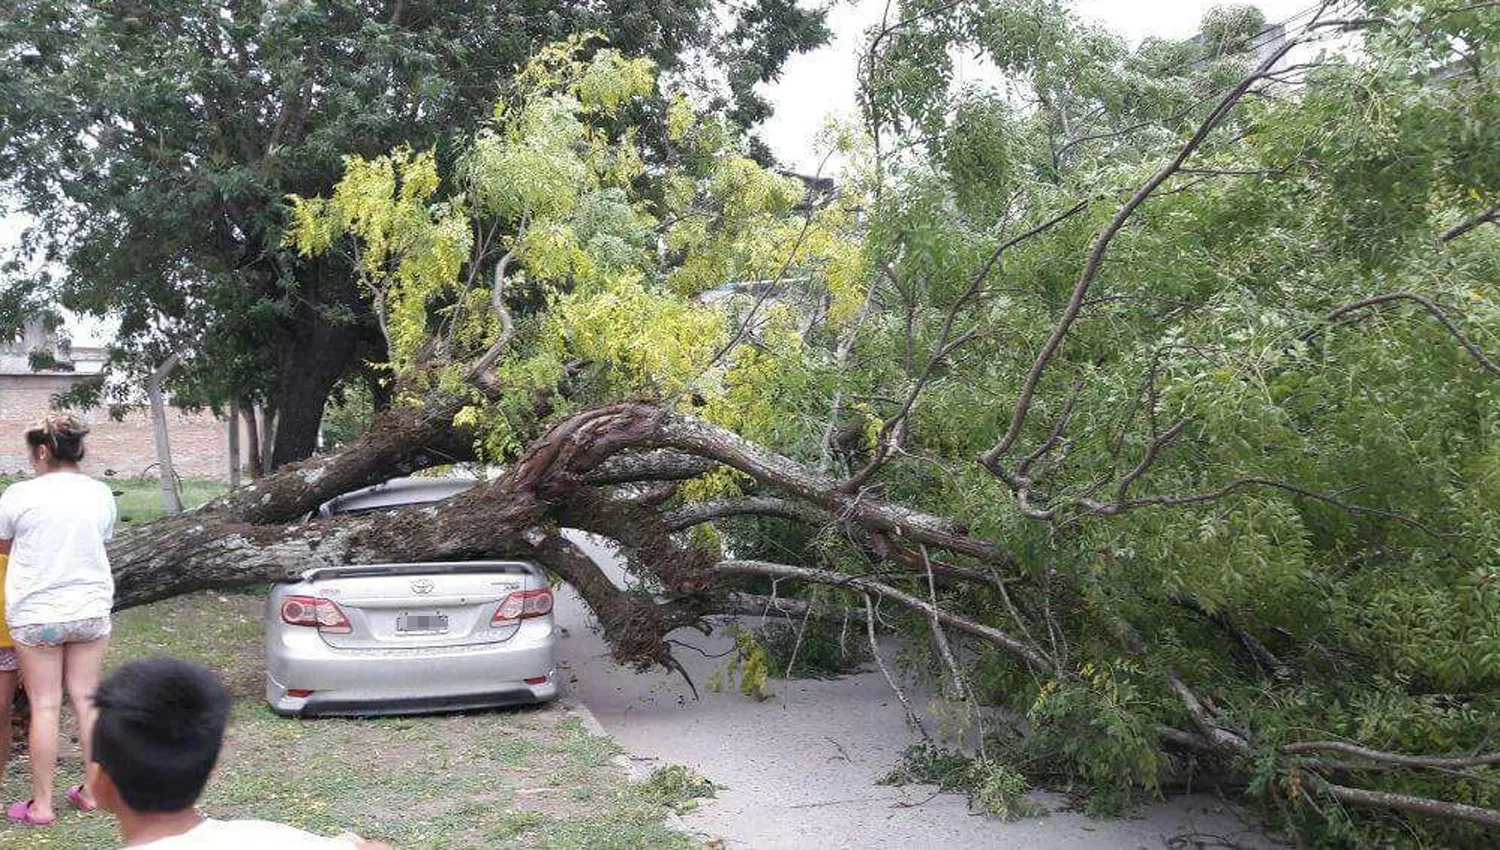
column 422, row 623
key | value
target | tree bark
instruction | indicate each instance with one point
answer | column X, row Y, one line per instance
column 241, row 539
column 252, row 440
column 399, row 442
column 268, row 423
column 235, row 467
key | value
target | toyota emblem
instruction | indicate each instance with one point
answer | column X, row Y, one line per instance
column 421, row 586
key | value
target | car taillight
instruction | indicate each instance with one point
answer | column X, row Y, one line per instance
column 522, row 605
column 322, row 614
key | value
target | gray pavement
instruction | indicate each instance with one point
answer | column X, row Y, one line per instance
column 801, row 768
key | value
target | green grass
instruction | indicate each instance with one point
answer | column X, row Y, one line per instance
column 531, row 778
column 140, row 498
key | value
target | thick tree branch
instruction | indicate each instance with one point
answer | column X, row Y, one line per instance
column 482, row 366
column 1392, row 758
column 757, row 605
column 889, row 550
column 1409, row 803
column 696, row 514
column 203, row 550
column 710, row 441
column 1220, row 738
column 635, row 625
column 655, row 465
column 399, row 442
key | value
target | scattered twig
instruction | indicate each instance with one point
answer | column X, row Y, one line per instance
column 673, row 664
column 912, row 719
column 700, row 650
column 1430, row 306
column 989, row 634
column 843, row 753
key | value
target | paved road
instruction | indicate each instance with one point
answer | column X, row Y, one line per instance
column 801, row 767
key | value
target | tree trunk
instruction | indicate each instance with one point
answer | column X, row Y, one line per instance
column 252, row 441
column 321, row 351
column 234, row 445
column 171, row 501
column 561, row 481
column 399, row 442
column 268, row 424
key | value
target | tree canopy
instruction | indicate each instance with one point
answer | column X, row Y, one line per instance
column 1150, row 391
column 153, row 144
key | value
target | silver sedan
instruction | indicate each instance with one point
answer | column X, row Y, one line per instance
column 371, row 639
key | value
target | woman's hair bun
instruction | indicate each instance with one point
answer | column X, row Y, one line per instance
column 62, row 424
column 60, row 431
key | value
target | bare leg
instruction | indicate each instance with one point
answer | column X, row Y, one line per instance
column 42, row 672
column 81, row 665
column 8, row 680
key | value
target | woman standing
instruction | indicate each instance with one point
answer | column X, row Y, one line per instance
column 58, row 595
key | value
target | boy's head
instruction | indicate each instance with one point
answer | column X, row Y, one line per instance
column 157, row 735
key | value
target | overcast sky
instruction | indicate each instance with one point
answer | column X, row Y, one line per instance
column 821, row 83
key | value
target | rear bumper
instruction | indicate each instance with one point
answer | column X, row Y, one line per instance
column 320, row 705
column 407, row 681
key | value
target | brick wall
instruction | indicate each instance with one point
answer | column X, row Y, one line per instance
column 200, row 441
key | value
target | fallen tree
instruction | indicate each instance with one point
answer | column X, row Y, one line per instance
column 1171, row 430
column 565, row 480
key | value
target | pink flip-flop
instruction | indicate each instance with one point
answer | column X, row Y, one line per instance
column 20, row 812
column 75, row 796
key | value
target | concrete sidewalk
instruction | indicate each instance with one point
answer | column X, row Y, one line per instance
column 801, row 767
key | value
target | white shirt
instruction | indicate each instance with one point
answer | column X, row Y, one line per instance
column 58, row 524
column 244, row 835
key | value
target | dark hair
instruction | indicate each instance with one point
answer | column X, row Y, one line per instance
column 158, row 732
column 62, row 433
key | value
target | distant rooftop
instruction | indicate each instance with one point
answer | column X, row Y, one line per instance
column 38, row 351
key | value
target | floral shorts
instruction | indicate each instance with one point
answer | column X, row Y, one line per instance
column 9, row 661
column 58, row 634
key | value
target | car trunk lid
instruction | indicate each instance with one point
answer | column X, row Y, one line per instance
column 422, row 605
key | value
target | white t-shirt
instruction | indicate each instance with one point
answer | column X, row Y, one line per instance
column 244, row 835
column 58, row 524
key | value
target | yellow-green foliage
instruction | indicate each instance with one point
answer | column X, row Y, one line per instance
column 409, row 248
column 548, row 192
column 750, row 662
column 654, row 344
column 753, row 399
column 720, row 483
column 604, row 83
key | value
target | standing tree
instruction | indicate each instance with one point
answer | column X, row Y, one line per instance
column 153, row 144
column 1162, row 384
column 156, row 395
